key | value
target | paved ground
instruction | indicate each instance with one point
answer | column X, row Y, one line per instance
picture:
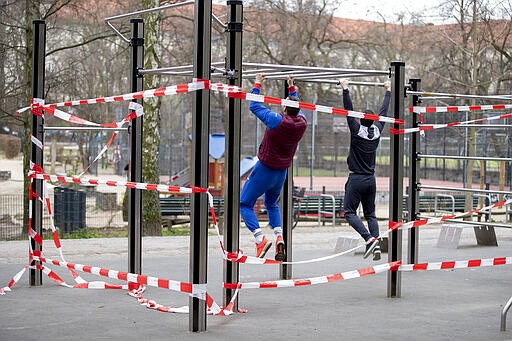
column 434, row 305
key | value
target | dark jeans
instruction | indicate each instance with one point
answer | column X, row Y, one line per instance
column 361, row 189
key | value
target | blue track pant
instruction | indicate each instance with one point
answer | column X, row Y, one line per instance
column 267, row 181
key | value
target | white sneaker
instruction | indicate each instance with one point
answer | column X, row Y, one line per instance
column 376, row 253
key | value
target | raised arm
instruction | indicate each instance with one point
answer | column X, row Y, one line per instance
column 353, row 124
column 385, row 105
column 292, row 92
column 264, row 114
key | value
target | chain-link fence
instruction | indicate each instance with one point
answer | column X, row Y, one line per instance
column 74, row 210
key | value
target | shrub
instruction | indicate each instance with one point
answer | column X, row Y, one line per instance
column 10, row 145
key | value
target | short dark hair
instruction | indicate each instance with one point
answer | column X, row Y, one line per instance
column 366, row 122
column 292, row 111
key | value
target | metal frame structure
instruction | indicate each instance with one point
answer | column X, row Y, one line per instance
column 397, row 176
column 36, row 153
column 310, row 74
column 414, row 154
column 434, row 95
column 233, row 121
column 235, row 70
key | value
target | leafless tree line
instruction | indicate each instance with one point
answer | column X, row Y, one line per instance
column 85, row 59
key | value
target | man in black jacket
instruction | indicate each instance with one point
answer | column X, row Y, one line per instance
column 360, row 187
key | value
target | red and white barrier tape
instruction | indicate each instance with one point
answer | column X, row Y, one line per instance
column 103, row 151
column 13, row 281
column 420, row 110
column 195, row 290
column 316, row 280
column 212, row 307
column 83, row 285
column 438, row 126
column 392, row 266
column 435, row 220
column 127, row 184
column 308, row 106
column 197, row 84
column 461, row 264
column 165, row 91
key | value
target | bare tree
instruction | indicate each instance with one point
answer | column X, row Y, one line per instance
column 152, row 225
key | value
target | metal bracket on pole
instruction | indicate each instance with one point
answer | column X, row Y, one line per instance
column 235, row 27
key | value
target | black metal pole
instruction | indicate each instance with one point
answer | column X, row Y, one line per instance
column 135, row 164
column 414, row 161
column 36, row 153
column 285, row 270
column 233, row 140
column 397, row 175
column 200, row 156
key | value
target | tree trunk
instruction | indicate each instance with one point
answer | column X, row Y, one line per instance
column 31, row 13
column 151, row 219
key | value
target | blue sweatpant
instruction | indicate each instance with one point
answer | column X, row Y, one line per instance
column 267, row 181
column 361, row 189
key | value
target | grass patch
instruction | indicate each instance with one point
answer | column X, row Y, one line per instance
column 176, row 231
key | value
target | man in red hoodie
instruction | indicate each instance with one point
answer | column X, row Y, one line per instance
column 282, row 135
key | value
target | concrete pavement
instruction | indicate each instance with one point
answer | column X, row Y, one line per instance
column 434, row 305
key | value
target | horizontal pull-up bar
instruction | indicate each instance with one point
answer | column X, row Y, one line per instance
column 463, row 189
column 337, row 82
column 172, row 69
column 457, row 157
column 144, row 11
column 315, row 68
column 430, row 94
column 159, row 8
column 306, row 78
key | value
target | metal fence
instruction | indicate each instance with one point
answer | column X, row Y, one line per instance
column 73, row 210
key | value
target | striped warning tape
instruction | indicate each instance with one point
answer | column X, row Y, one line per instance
column 391, row 266
column 420, row 110
column 127, row 184
column 315, row 280
column 165, row 91
column 309, row 106
column 438, row 126
column 196, row 84
column 472, row 263
column 436, row 220
column 195, row 290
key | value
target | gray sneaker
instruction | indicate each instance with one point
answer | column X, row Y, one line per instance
column 370, row 247
column 376, row 253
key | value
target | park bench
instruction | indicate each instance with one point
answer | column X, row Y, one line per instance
column 322, row 208
column 5, row 175
column 176, row 210
column 444, row 204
